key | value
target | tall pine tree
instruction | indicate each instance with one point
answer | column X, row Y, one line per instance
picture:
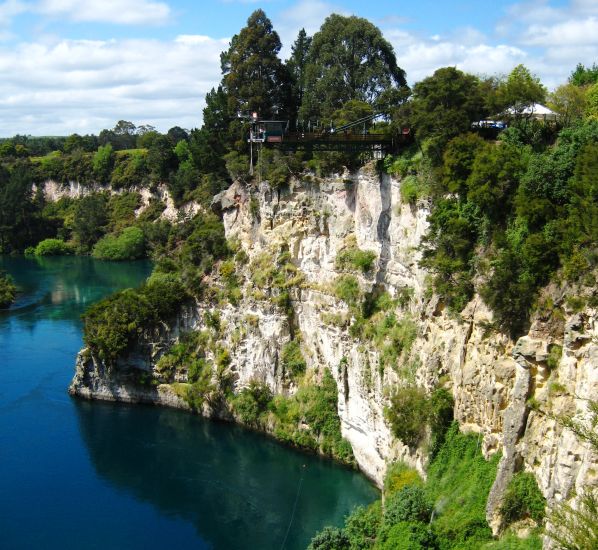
column 297, row 64
column 254, row 78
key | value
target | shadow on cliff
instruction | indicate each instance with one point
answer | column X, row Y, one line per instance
column 236, row 487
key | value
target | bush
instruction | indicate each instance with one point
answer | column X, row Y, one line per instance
column 52, row 247
column 410, row 503
column 398, row 476
column 310, row 419
column 346, row 288
column 408, row 414
column 330, row 538
column 408, row 536
column 362, row 525
column 355, row 259
column 251, row 402
column 115, row 323
column 409, row 190
column 129, row 245
column 555, row 352
column 523, row 499
column 292, row 359
column 7, row 290
column 459, row 480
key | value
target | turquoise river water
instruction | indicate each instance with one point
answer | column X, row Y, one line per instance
column 92, row 475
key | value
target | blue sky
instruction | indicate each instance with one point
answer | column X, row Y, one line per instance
column 79, row 66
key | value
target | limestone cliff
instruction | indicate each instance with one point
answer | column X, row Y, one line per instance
column 493, row 379
column 54, row 191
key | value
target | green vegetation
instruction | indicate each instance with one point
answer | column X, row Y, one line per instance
column 446, row 512
column 114, row 323
column 292, row 359
column 411, row 413
column 8, row 290
column 352, row 258
column 129, row 245
column 52, row 247
column 523, row 499
column 251, row 403
column 576, row 528
column 308, row 419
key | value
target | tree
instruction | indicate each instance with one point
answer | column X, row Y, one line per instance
column 103, row 161
column 254, row 78
column 16, row 207
column 90, row 219
column 348, row 59
column 330, row 538
column 569, row 101
column 584, row 76
column 592, row 102
column 444, row 105
column 209, row 145
column 176, row 134
column 160, row 157
column 297, row 65
column 520, row 91
column 74, row 141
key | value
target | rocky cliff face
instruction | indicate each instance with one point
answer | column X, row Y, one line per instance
column 492, row 378
column 54, row 191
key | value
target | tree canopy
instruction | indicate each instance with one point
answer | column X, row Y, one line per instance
column 348, row 59
column 254, row 77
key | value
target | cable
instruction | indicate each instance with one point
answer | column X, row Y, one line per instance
column 294, row 509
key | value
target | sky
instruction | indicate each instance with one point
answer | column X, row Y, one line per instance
column 78, row 66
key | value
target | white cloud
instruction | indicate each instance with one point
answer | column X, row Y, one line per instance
column 467, row 51
column 84, row 86
column 125, row 12
column 567, row 33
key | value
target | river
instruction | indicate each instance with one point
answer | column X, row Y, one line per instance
column 87, row 475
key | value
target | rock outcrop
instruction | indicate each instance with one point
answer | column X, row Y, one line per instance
column 504, row 390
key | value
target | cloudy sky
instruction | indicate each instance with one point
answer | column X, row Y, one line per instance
column 81, row 65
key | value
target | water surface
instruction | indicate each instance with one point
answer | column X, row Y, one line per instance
column 77, row 474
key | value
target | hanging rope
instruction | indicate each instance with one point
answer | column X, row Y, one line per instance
column 294, row 508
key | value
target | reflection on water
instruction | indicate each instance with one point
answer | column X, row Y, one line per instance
column 93, row 475
column 62, row 287
column 236, row 487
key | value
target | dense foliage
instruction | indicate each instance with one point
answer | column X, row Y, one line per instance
column 446, row 512
column 114, row 323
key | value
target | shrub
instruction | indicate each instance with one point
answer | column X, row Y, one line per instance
column 114, row 323
column 523, row 499
column 362, row 525
column 410, row 503
column 346, row 288
column 251, row 402
column 52, row 247
column 409, row 190
column 459, row 481
column 398, row 476
column 292, row 359
column 576, row 528
column 355, row 259
column 129, row 245
column 330, row 538
column 408, row 536
column 310, row 419
column 407, row 414
column 555, row 352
